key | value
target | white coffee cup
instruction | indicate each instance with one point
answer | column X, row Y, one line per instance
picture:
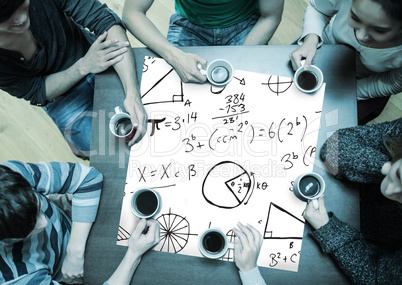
column 309, row 187
column 145, row 203
column 219, row 72
column 214, row 244
column 120, row 125
column 308, row 80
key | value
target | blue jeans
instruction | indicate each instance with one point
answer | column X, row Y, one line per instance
column 184, row 33
column 72, row 113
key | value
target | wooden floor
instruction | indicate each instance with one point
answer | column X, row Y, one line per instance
column 28, row 134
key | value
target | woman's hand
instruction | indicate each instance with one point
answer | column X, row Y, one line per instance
column 316, row 218
column 145, row 236
column 306, row 51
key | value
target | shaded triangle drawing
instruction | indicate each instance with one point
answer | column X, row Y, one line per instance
column 123, row 234
column 281, row 224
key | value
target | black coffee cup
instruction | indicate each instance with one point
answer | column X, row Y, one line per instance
column 145, row 203
column 214, row 244
column 309, row 186
column 308, row 80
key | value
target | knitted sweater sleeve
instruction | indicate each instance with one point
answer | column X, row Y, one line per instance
column 361, row 262
column 358, row 153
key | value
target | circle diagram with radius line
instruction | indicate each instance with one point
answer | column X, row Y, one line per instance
column 226, row 185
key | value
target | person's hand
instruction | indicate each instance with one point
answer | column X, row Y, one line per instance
column 139, row 241
column 139, row 117
column 73, row 267
column 185, row 64
column 306, row 51
column 247, row 247
column 102, row 54
column 316, row 218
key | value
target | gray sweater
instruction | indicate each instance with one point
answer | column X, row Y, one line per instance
column 373, row 256
column 358, row 153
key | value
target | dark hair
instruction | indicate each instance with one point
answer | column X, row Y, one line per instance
column 393, row 8
column 18, row 205
column 394, row 148
column 8, row 7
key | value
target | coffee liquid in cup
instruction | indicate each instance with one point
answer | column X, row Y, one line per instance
column 309, row 186
column 123, row 127
column 307, row 80
column 219, row 74
column 146, row 203
column 213, row 242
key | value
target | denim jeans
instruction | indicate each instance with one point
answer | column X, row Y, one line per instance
column 184, row 33
column 72, row 113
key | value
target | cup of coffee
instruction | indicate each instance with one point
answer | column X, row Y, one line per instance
column 219, row 72
column 308, row 80
column 214, row 244
column 145, row 203
column 120, row 125
column 309, row 186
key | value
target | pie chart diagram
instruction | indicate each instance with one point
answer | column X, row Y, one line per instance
column 174, row 231
column 226, row 185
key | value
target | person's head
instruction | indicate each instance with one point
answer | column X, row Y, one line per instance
column 391, row 186
column 377, row 23
column 20, row 208
column 14, row 16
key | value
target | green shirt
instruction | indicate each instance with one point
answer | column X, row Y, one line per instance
column 216, row 14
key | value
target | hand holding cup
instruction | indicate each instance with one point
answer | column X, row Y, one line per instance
column 316, row 218
column 120, row 125
column 219, row 72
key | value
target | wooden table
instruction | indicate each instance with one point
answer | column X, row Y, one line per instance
column 110, row 156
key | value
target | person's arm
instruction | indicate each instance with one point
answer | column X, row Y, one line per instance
column 73, row 263
column 361, row 262
column 85, row 183
column 380, row 84
column 347, row 156
column 126, row 70
column 101, row 55
column 247, row 247
column 139, row 243
column 104, row 52
column 316, row 17
column 264, row 29
column 185, row 64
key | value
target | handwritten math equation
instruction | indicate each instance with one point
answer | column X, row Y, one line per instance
column 220, row 155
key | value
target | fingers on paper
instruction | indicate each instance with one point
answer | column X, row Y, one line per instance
column 248, row 235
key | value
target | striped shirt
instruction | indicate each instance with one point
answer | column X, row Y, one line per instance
column 38, row 258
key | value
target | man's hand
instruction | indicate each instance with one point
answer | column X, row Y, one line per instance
column 247, row 247
column 139, row 118
column 102, row 54
column 185, row 64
